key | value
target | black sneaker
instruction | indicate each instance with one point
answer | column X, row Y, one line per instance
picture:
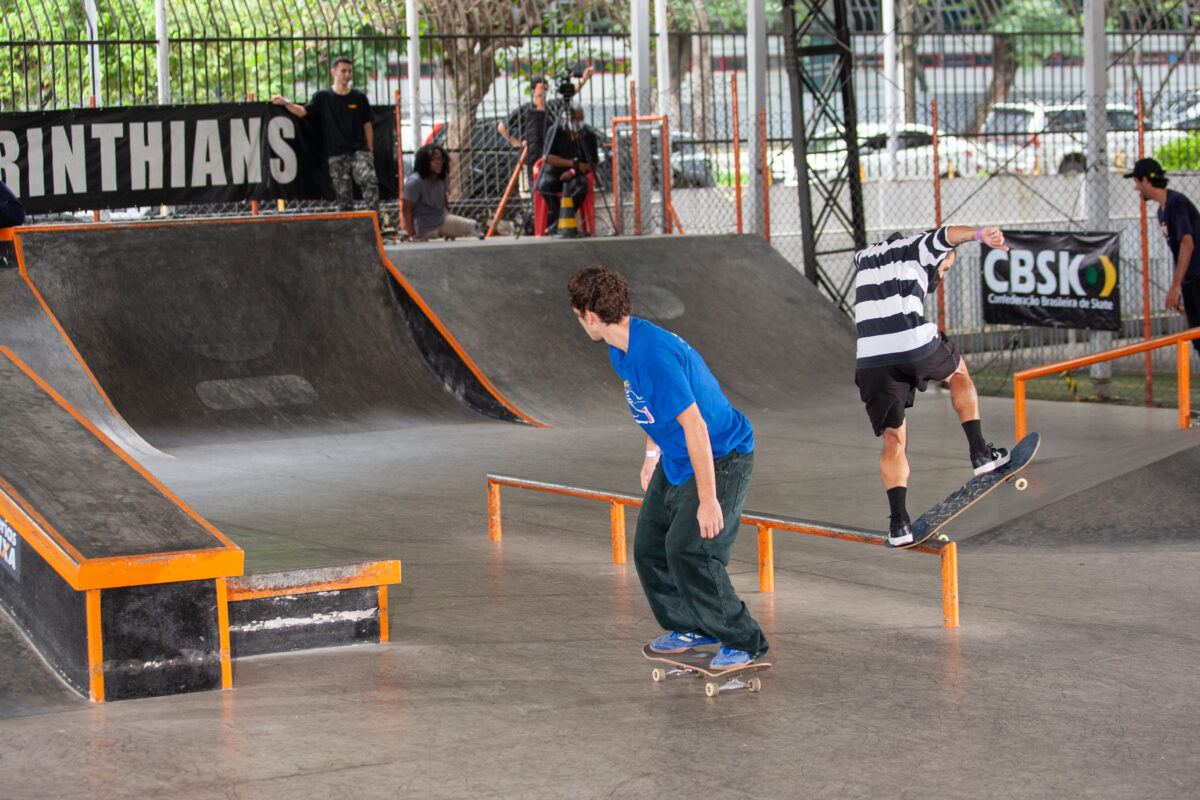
column 990, row 459
column 900, row 535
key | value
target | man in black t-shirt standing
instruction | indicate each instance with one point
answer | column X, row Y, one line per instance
column 343, row 116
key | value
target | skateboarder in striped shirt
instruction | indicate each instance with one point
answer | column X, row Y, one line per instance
column 899, row 352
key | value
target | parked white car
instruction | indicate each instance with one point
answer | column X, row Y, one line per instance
column 914, row 154
column 1052, row 139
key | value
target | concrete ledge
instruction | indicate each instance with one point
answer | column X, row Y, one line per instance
column 274, row 612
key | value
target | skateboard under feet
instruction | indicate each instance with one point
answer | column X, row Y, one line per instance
column 926, row 526
column 695, row 663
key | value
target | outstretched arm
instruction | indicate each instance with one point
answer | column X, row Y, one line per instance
column 989, row 235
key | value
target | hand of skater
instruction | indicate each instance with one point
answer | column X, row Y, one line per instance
column 992, row 237
column 710, row 517
column 648, row 471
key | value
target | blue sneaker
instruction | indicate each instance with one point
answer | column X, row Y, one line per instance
column 678, row 642
column 727, row 659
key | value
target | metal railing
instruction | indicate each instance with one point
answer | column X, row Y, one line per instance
column 1183, row 376
column 766, row 525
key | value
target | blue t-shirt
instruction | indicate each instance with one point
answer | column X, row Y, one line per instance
column 664, row 376
column 1178, row 217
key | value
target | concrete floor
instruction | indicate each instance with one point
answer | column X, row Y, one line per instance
column 514, row 668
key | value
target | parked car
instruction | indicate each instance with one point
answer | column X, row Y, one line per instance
column 914, row 153
column 1031, row 137
column 691, row 166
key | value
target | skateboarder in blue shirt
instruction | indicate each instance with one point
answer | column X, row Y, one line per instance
column 699, row 456
column 899, row 352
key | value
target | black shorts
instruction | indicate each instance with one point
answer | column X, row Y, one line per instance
column 887, row 391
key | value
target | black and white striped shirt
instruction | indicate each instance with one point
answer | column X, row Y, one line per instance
column 890, row 284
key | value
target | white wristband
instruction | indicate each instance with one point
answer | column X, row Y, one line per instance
column 653, row 453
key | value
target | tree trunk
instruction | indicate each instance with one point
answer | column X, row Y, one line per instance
column 1004, row 74
column 681, row 64
column 467, row 65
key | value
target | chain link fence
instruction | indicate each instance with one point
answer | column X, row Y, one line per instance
column 1010, row 123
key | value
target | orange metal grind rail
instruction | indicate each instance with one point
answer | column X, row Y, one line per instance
column 766, row 525
column 1183, row 372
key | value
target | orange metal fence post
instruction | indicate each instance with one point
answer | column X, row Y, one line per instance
column 616, row 513
column 494, row 532
column 950, row 586
column 1019, row 406
column 737, row 153
column 766, row 559
column 1184, row 380
column 666, row 179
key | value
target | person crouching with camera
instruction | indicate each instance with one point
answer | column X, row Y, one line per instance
column 571, row 154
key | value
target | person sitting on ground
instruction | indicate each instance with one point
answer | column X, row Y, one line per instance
column 426, row 203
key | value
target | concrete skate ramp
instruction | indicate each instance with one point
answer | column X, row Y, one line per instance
column 767, row 334
column 1134, row 495
column 231, row 329
column 28, row 331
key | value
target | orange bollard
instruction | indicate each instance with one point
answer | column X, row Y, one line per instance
column 950, row 586
column 383, row 614
column 766, row 559
column 617, row 516
column 494, row 532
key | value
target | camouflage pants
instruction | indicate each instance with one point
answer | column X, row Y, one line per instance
column 360, row 168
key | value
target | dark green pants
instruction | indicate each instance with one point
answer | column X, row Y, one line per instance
column 684, row 576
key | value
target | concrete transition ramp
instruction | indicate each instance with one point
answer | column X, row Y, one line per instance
column 1132, row 496
column 767, row 334
column 234, row 328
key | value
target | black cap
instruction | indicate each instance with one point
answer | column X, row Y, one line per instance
column 1146, row 168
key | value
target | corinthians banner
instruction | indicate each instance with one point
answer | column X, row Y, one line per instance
column 1053, row 280
column 177, row 155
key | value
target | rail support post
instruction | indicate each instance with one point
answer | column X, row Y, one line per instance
column 494, row 532
column 950, row 585
column 766, row 558
column 616, row 513
column 1184, row 379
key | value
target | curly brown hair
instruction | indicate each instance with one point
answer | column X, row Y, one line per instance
column 600, row 290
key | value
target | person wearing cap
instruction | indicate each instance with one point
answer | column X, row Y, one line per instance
column 899, row 352
column 1180, row 223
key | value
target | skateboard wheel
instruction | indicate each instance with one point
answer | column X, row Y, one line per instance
column 658, row 675
column 1022, row 484
column 711, row 689
column 755, row 684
